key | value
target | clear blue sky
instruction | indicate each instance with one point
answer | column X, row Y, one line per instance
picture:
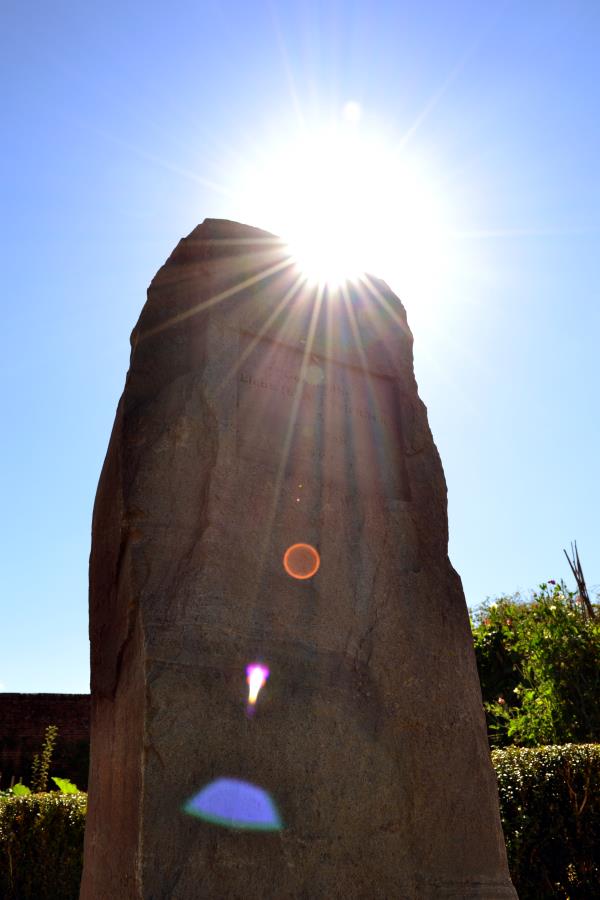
column 125, row 124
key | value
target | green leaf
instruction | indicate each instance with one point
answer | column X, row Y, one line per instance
column 20, row 790
column 65, row 786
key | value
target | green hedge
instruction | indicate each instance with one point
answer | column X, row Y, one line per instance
column 549, row 803
column 41, row 846
column 550, row 809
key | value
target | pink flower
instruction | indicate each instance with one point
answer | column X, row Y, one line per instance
column 501, row 701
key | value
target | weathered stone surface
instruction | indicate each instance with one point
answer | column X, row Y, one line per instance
column 370, row 733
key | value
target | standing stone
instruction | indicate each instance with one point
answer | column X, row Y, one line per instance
column 259, row 413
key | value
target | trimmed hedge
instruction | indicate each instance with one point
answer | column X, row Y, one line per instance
column 41, row 846
column 550, row 810
column 549, row 804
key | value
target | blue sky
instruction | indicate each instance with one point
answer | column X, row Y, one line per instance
column 127, row 124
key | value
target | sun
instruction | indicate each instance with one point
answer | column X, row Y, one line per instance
column 348, row 202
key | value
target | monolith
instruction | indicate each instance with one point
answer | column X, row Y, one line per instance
column 260, row 413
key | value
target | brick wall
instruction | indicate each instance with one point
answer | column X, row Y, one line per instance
column 23, row 721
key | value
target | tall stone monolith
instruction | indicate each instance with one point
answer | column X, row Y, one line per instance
column 260, row 413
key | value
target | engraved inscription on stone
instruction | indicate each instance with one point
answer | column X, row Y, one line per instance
column 319, row 420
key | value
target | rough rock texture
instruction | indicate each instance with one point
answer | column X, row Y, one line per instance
column 257, row 414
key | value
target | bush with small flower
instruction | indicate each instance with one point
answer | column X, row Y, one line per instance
column 539, row 667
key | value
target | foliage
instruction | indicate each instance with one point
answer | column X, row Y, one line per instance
column 40, row 767
column 41, row 764
column 550, row 810
column 19, row 790
column 539, row 666
column 41, row 846
column 65, row 786
column 549, row 804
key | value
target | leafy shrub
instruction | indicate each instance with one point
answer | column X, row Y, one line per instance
column 539, row 667
column 550, row 810
column 41, row 845
column 549, row 804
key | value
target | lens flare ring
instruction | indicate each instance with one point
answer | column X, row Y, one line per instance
column 301, row 561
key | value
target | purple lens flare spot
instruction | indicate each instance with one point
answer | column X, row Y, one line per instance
column 236, row 804
column 256, row 677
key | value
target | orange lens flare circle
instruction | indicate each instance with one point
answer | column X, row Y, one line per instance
column 301, row 561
